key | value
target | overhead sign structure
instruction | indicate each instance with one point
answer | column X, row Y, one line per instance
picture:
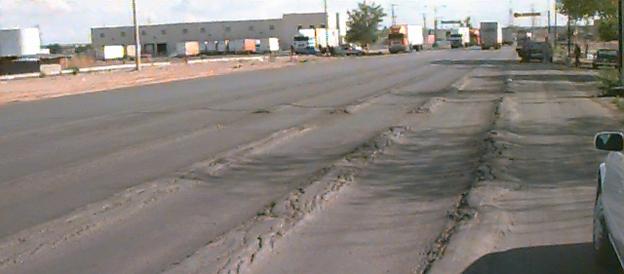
column 451, row 22
column 527, row 14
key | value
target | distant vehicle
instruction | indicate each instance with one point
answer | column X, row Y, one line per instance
column 349, row 50
column 315, row 41
column 605, row 57
column 405, row 38
column 522, row 37
column 491, row 35
column 509, row 37
column 460, row 37
column 532, row 50
column 608, row 232
column 456, row 41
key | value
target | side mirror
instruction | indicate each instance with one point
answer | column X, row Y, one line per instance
column 610, row 141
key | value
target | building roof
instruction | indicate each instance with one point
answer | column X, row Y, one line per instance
column 210, row 22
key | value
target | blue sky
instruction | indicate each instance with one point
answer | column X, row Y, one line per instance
column 67, row 21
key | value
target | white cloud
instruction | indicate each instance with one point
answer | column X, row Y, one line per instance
column 71, row 20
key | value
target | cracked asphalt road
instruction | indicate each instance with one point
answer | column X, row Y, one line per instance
column 182, row 176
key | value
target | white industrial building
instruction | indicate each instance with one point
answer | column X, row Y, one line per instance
column 161, row 39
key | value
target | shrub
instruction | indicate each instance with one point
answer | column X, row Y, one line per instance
column 609, row 80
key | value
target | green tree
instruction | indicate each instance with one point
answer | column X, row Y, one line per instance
column 364, row 24
column 579, row 9
column 607, row 29
column 605, row 9
column 55, row 48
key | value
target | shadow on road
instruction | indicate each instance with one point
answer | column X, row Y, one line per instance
column 557, row 259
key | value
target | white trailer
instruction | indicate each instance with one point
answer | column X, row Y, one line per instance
column 491, row 35
column 189, row 48
column 313, row 41
column 111, row 52
column 268, row 45
column 19, row 42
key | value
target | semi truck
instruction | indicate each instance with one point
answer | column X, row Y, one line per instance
column 405, row 38
column 460, row 37
column 491, row 35
column 315, row 41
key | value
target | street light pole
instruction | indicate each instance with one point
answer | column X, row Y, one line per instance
column 137, row 40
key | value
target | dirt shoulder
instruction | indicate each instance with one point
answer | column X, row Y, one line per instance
column 534, row 213
column 51, row 87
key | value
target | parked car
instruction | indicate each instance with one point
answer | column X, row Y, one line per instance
column 608, row 239
column 605, row 57
column 349, row 50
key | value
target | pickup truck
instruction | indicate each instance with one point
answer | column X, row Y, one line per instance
column 608, row 232
column 605, row 57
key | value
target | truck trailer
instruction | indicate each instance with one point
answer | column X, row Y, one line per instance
column 314, row 41
column 19, row 42
column 491, row 35
column 405, row 38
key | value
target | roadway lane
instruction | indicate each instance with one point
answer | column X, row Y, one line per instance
column 93, row 175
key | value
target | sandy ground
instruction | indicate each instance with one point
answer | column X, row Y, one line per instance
column 437, row 162
column 51, row 87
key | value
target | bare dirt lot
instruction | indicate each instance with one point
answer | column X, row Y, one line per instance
column 50, row 87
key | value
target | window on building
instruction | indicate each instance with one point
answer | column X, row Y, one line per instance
column 123, row 34
column 185, row 31
column 311, row 26
column 251, row 28
column 299, row 27
column 102, row 35
column 202, row 30
column 163, row 32
column 228, row 29
column 143, row 32
column 271, row 27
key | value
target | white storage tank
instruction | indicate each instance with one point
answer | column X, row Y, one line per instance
column 20, row 42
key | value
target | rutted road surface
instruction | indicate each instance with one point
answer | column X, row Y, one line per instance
column 401, row 164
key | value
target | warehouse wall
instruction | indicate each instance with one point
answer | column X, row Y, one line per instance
column 284, row 29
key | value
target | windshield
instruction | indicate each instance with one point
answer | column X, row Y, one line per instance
column 301, row 38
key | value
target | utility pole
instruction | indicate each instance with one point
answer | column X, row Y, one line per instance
column 570, row 35
column 435, row 26
column 556, row 25
column 326, row 27
column 394, row 21
column 621, row 39
column 549, row 27
column 137, row 40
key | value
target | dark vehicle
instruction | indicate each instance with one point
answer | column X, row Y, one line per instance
column 456, row 41
column 605, row 57
column 348, row 50
column 608, row 231
column 531, row 50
